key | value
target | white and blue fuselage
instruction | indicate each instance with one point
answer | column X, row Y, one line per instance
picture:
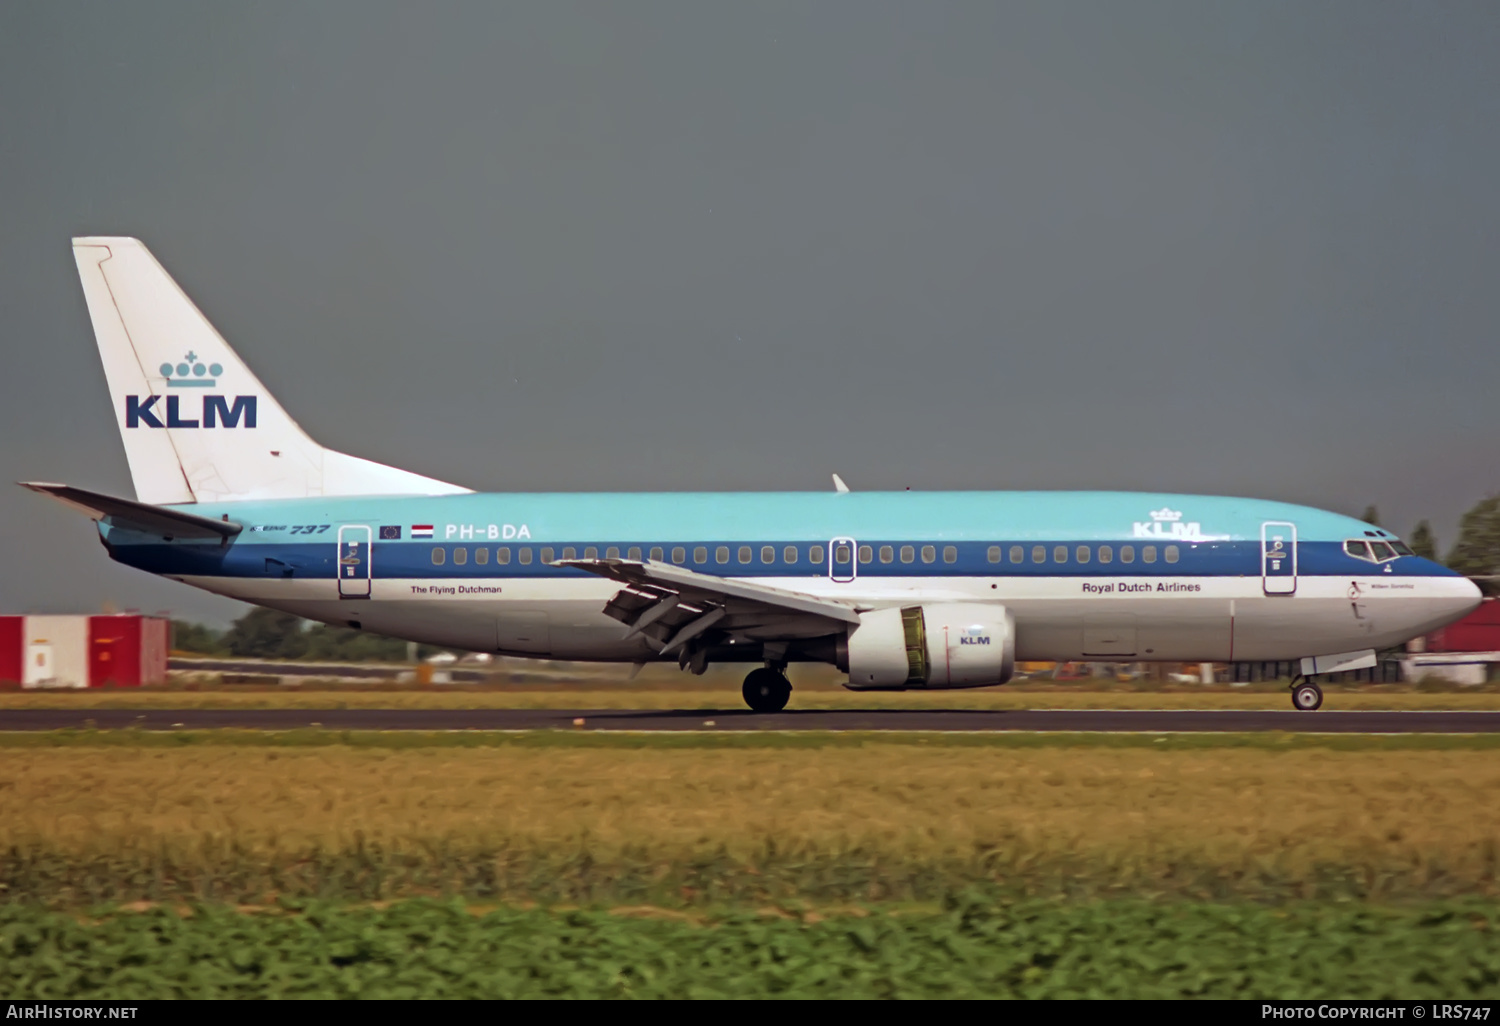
column 1086, row 574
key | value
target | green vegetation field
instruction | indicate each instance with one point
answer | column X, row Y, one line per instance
column 973, row 947
column 552, row 863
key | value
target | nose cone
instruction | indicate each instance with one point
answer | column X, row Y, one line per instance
column 1452, row 597
column 1472, row 597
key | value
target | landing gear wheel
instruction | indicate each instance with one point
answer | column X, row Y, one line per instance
column 766, row 691
column 1307, row 696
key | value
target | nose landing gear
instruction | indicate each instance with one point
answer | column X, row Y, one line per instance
column 766, row 690
column 1306, row 696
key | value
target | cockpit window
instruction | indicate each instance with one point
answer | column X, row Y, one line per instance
column 1375, row 551
column 1402, row 549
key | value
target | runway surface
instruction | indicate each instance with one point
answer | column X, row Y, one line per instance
column 1087, row 720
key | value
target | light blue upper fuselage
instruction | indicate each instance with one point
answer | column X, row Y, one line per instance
column 807, row 516
column 1210, row 535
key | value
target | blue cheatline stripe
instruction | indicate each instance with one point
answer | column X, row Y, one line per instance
column 414, row 559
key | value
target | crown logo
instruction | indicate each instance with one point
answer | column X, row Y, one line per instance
column 190, row 373
column 1166, row 514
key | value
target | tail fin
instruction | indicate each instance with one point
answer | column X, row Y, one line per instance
column 198, row 426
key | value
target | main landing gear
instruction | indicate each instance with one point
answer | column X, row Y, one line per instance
column 766, row 690
column 1306, row 696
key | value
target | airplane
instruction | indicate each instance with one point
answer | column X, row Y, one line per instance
column 900, row 590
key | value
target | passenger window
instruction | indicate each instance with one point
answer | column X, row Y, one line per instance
column 1382, row 551
column 721, row 554
column 568, row 552
column 634, row 552
column 613, row 552
column 1148, row 554
column 866, row 554
column 993, row 555
column 887, row 553
column 1127, row 553
column 1106, row 554
column 439, row 557
column 768, row 553
column 481, row 556
column 842, row 554
column 815, row 553
column 460, row 556
column 525, row 556
column 700, row 554
column 1039, row 553
column 655, row 556
column 908, row 553
column 1357, row 549
column 592, row 552
column 745, row 554
column 546, row 555
column 1083, row 553
column 679, row 554
column 950, row 554
column 502, row 555
column 789, row 554
column 1171, row 553
column 929, row 553
column 1060, row 554
column 1017, row 554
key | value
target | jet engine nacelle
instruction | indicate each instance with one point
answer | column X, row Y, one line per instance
column 943, row 645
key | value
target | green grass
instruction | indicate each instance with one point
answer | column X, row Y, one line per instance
column 743, row 818
column 973, row 947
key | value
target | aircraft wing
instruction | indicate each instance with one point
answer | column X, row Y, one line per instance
column 671, row 605
column 137, row 516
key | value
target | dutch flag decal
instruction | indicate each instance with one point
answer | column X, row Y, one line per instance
column 421, row 530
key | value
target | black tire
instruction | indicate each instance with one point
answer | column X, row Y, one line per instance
column 1307, row 697
column 766, row 691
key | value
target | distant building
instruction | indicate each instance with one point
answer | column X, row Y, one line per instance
column 125, row 650
column 1464, row 652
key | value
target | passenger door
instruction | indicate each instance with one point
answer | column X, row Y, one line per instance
column 354, row 562
column 1278, row 557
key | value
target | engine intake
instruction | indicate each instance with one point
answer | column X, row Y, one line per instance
column 944, row 645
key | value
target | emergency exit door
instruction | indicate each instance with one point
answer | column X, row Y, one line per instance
column 842, row 560
column 1278, row 557
column 354, row 562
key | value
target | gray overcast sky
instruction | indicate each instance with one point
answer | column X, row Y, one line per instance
column 1242, row 248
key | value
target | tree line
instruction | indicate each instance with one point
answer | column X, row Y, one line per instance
column 271, row 634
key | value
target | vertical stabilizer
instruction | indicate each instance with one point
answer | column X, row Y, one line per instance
column 198, row 426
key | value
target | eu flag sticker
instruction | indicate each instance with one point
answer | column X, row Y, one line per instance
column 390, row 534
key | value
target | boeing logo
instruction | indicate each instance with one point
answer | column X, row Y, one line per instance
column 214, row 411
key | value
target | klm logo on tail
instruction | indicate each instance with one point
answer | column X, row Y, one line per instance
column 216, row 410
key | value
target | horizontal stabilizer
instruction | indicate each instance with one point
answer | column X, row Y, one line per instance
column 137, row 516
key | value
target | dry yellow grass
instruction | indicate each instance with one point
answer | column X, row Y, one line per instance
column 1236, row 808
column 625, row 697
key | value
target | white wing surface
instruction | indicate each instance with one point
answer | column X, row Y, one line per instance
column 670, row 606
